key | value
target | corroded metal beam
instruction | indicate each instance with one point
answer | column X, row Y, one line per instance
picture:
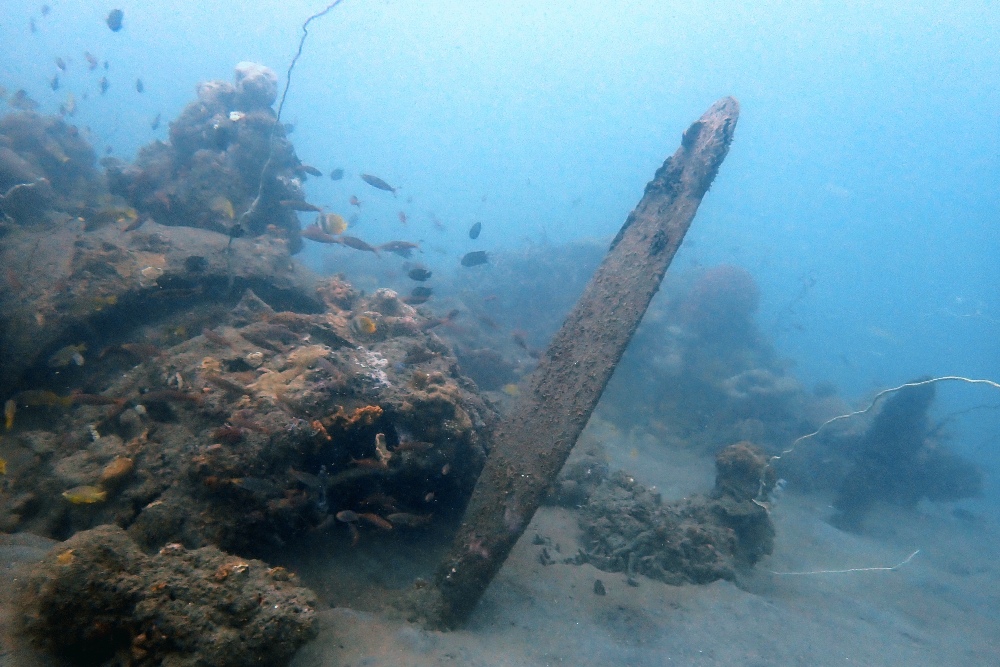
column 536, row 437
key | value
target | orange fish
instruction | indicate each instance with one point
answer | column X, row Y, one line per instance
column 356, row 243
column 314, row 233
column 355, row 201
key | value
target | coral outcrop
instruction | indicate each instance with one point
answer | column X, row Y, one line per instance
column 213, row 167
column 256, row 431
column 98, row 598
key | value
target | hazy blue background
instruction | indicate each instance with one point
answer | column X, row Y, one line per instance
column 861, row 189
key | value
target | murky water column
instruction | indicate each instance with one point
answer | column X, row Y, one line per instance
column 536, row 437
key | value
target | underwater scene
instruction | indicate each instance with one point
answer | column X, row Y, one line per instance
column 499, row 334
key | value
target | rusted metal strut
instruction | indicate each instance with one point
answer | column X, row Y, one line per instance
column 536, row 437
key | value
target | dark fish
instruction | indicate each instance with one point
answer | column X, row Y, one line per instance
column 336, row 174
column 135, row 224
column 21, row 101
column 32, row 26
column 438, row 321
column 419, row 295
column 305, row 478
column 54, row 82
column 155, row 123
column 91, row 60
column 408, row 520
column 45, row 10
column 419, row 273
column 95, row 399
column 488, row 322
column 475, row 229
column 216, row 338
column 401, row 248
column 104, row 84
column 114, row 19
column 375, row 520
column 357, row 244
column 168, row 396
column 138, row 86
column 415, row 300
column 314, row 233
column 106, row 66
column 236, row 231
column 61, row 64
column 299, row 205
column 475, row 258
column 402, row 216
column 378, row 183
column 308, row 169
column 256, row 485
column 141, row 350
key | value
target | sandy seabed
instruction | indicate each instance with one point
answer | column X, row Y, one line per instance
column 941, row 608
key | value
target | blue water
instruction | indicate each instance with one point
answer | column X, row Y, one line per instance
column 861, row 188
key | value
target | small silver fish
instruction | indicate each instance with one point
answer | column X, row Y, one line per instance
column 378, row 183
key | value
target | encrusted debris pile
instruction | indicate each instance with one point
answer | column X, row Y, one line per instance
column 629, row 528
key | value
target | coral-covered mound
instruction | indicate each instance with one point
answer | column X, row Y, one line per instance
column 266, row 427
column 98, row 597
column 213, row 168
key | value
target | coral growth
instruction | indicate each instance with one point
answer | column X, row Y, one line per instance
column 256, row 432
column 211, row 170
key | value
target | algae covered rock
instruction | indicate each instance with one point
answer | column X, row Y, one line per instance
column 97, row 597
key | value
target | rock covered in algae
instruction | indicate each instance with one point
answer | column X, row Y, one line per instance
column 97, row 597
column 68, row 285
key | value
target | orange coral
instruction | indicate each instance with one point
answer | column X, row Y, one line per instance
column 320, row 429
column 336, row 293
column 366, row 415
